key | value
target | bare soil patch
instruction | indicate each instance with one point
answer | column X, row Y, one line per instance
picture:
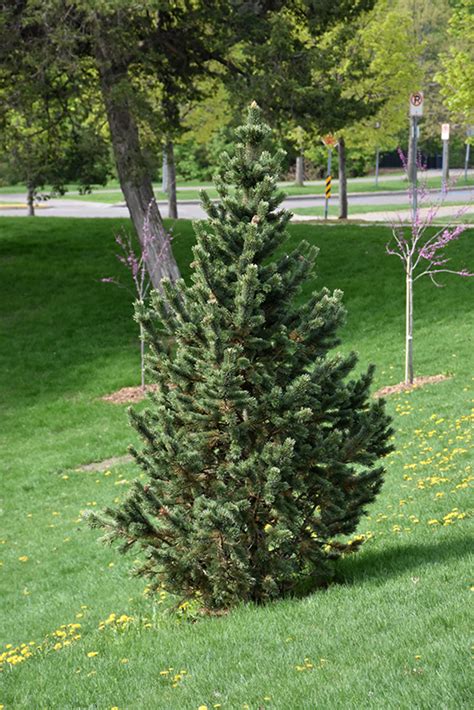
column 403, row 387
column 129, row 395
column 133, row 395
column 106, row 463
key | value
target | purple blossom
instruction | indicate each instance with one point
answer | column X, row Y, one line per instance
column 136, row 263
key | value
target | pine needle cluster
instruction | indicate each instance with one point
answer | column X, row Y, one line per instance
column 260, row 454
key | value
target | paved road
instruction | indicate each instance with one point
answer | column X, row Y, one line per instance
column 192, row 209
column 456, row 173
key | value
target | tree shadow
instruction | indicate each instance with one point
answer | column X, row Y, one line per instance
column 395, row 560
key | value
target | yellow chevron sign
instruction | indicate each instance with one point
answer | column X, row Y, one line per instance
column 328, row 187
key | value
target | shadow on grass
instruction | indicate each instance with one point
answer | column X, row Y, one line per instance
column 396, row 560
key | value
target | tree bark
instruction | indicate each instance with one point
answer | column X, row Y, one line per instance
column 342, row 179
column 299, row 176
column 135, row 179
column 30, row 200
column 171, row 182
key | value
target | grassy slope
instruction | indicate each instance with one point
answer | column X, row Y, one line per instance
column 70, row 339
column 361, row 209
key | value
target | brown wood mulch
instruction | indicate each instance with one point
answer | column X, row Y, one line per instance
column 404, row 387
column 133, row 395
column 129, row 395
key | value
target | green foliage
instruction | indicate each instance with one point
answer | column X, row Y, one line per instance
column 391, row 54
column 457, row 77
column 260, row 456
column 51, row 121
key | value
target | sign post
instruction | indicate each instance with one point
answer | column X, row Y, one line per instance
column 164, row 175
column 445, row 163
column 469, row 134
column 377, row 156
column 330, row 142
column 416, row 111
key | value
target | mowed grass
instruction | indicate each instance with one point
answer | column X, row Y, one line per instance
column 391, row 633
column 333, row 210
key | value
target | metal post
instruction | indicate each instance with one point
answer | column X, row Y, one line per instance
column 328, row 173
column 466, row 161
column 414, row 175
column 164, row 176
column 377, row 154
column 444, row 179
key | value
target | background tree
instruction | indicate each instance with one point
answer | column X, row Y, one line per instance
column 179, row 40
column 315, row 77
column 457, row 77
column 429, row 20
column 51, row 128
column 260, row 456
column 385, row 41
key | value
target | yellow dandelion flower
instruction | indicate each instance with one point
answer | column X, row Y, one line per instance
column 91, row 654
column 24, row 558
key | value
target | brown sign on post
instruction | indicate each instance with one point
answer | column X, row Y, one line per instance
column 329, row 140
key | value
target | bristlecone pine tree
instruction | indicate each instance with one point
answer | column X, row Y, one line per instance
column 260, row 457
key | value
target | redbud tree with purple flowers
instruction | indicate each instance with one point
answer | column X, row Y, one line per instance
column 421, row 248
column 135, row 260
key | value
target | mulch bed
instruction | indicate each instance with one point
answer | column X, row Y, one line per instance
column 133, row 395
column 403, row 387
column 129, row 395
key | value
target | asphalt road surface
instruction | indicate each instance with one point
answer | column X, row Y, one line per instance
column 191, row 209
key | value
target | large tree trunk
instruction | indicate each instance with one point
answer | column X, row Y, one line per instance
column 342, row 179
column 171, row 182
column 30, row 201
column 299, row 177
column 132, row 170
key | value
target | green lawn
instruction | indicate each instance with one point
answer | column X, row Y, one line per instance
column 392, row 633
column 362, row 209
